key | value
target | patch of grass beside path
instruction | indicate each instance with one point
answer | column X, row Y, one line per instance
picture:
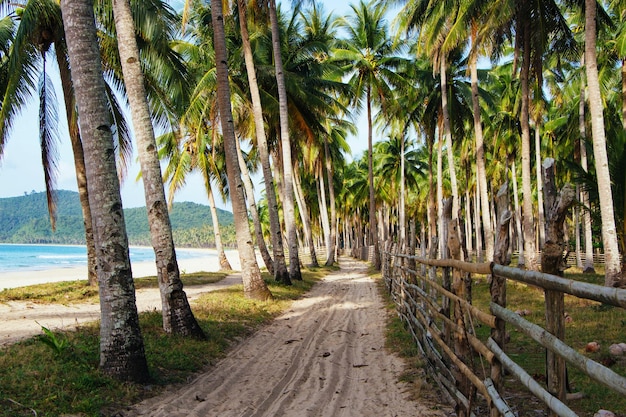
column 79, row 291
column 57, row 373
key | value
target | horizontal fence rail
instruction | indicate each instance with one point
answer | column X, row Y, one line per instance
column 433, row 298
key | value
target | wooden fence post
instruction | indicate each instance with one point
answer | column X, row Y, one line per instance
column 553, row 262
column 497, row 286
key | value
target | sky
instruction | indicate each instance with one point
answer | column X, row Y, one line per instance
column 21, row 169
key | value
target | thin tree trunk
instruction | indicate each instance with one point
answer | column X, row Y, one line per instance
column 469, row 246
column 440, row 220
column 447, row 132
column 373, row 231
column 219, row 246
column 305, row 216
column 253, row 284
column 177, row 315
column 254, row 212
column 477, row 225
column 279, row 269
column 330, row 260
column 527, row 202
column 288, row 204
column 589, row 265
column 323, row 206
column 402, row 204
column 79, row 163
column 541, row 218
column 521, row 261
column 612, row 265
column 122, row 354
column 481, row 172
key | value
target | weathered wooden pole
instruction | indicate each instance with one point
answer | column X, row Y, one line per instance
column 497, row 286
column 553, row 262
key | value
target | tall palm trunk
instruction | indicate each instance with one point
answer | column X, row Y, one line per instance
column 521, row 261
column 122, row 354
column 323, row 205
column 333, row 207
column 279, row 269
column 401, row 202
column 541, row 232
column 177, row 315
column 440, row 219
column 288, row 203
column 588, row 266
column 527, row 203
column 254, row 213
column 612, row 265
column 305, row 217
column 481, row 173
column 219, row 246
column 253, row 284
column 447, row 132
column 373, row 233
column 79, row 162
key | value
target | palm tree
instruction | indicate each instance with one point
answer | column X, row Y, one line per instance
column 288, row 197
column 254, row 286
column 613, row 273
column 176, row 312
column 122, row 352
column 372, row 61
column 279, row 267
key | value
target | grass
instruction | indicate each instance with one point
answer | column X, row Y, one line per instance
column 69, row 292
column 36, row 376
column 591, row 321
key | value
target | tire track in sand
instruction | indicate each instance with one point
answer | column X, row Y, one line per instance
column 324, row 357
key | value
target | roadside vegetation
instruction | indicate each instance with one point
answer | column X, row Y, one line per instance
column 57, row 373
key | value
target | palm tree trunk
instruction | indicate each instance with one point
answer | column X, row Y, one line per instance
column 79, row 163
column 401, row 203
column 253, row 284
column 440, row 219
column 613, row 274
column 254, row 213
column 122, row 354
column 305, row 216
column 540, row 209
column 589, row 265
column 279, row 268
column 177, row 315
column 330, row 260
column 527, row 204
column 477, row 225
column 288, row 204
column 323, row 205
column 521, row 261
column 481, row 173
column 219, row 246
column 448, row 137
column 373, row 232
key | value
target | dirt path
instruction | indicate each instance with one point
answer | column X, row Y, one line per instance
column 21, row 320
column 324, row 357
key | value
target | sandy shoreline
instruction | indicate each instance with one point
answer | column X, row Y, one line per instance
column 206, row 262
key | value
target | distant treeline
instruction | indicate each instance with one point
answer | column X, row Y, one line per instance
column 25, row 219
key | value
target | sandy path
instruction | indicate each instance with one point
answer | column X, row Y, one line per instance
column 324, row 357
column 21, row 320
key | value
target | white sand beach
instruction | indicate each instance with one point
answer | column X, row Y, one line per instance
column 206, row 262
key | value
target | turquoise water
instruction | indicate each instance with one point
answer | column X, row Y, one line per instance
column 40, row 257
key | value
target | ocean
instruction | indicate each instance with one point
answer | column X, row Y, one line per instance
column 16, row 257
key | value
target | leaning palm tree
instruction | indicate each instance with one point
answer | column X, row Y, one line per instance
column 176, row 312
column 122, row 352
column 254, row 286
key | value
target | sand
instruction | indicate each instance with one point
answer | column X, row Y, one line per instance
column 325, row 356
column 21, row 320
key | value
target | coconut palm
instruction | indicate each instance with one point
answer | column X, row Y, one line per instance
column 176, row 312
column 372, row 62
column 121, row 344
column 254, row 286
column 613, row 273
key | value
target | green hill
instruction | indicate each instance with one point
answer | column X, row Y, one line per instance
column 25, row 219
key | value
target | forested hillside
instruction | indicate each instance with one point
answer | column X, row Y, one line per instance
column 25, row 219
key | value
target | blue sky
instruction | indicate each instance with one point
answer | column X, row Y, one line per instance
column 20, row 165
